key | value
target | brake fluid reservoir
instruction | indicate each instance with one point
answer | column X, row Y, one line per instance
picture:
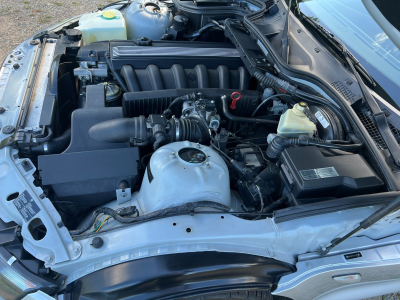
column 147, row 18
column 294, row 122
column 102, row 26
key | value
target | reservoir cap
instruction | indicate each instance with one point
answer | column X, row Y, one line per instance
column 108, row 14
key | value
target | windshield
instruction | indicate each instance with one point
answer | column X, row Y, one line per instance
column 350, row 22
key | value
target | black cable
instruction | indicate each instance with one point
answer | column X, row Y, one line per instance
column 315, row 99
column 122, row 216
column 269, row 80
column 271, row 207
column 244, row 147
column 116, row 75
column 145, row 157
column 116, row 3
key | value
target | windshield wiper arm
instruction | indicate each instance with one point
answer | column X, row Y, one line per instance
column 339, row 47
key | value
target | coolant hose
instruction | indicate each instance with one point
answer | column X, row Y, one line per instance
column 59, row 144
column 47, row 137
column 229, row 116
column 185, row 208
column 279, row 144
column 54, row 146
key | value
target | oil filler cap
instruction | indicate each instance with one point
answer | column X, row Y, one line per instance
column 180, row 23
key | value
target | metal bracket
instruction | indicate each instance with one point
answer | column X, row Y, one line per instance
column 123, row 195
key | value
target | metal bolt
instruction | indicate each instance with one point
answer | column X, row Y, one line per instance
column 212, row 101
column 2, row 110
column 8, row 129
column 172, row 155
column 16, row 66
column 123, row 194
column 223, row 97
column 34, row 42
column 198, row 146
column 76, row 250
column 49, row 259
column 207, row 165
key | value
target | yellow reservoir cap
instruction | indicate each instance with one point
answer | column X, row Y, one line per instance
column 108, row 14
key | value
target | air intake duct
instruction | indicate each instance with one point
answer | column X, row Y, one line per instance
column 155, row 129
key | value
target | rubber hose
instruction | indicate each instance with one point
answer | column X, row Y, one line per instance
column 319, row 100
column 59, row 144
column 119, row 130
column 116, row 75
column 279, row 144
column 54, row 146
column 185, row 208
column 269, row 80
column 47, row 137
column 275, row 204
column 233, row 118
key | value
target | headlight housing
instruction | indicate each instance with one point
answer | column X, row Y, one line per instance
column 16, row 281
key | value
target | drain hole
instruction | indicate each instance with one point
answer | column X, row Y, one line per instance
column 222, row 217
column 188, row 230
column 37, row 229
column 174, row 224
column 13, row 196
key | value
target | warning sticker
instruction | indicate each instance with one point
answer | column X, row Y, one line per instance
column 318, row 173
column 327, row 172
column 26, row 206
column 309, row 174
column 322, row 119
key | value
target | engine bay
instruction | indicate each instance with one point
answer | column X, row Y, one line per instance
column 170, row 119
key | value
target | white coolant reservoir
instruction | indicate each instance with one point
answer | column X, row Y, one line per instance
column 294, row 122
column 147, row 18
column 102, row 26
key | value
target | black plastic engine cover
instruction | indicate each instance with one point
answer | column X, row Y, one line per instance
column 310, row 175
column 91, row 177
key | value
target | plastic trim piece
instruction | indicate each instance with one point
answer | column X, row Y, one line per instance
column 167, row 276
